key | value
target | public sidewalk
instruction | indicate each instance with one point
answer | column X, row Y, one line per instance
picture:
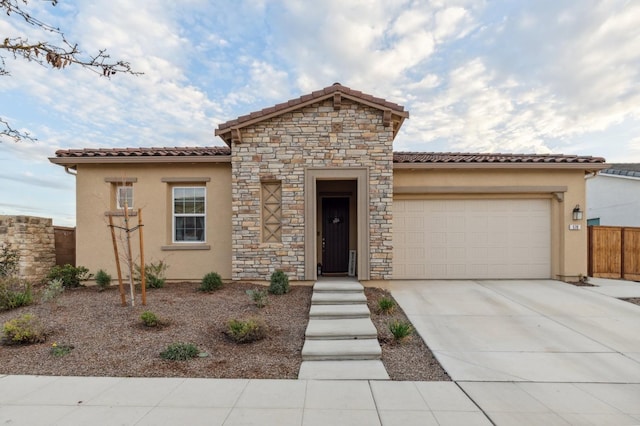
column 69, row 401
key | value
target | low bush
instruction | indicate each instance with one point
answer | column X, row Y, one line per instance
column 14, row 293
column 60, row 350
column 259, row 297
column 279, row 283
column 149, row 319
column 52, row 290
column 210, row 282
column 71, row 276
column 27, row 328
column 180, row 352
column 246, row 331
column 9, row 259
column 103, row 280
column 154, row 274
column 386, row 305
column 401, row 330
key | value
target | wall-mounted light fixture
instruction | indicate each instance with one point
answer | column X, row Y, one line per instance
column 577, row 213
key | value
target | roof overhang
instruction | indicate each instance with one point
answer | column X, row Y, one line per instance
column 588, row 168
column 72, row 162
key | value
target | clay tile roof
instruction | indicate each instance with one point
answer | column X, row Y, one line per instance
column 318, row 94
column 496, row 158
column 144, row 152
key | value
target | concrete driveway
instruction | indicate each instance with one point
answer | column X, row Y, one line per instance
column 524, row 330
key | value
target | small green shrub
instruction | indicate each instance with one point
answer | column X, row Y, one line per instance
column 53, row 289
column 103, row 280
column 259, row 297
column 71, row 276
column 14, row 293
column 27, row 328
column 400, row 330
column 279, row 283
column 246, row 331
column 180, row 352
column 154, row 274
column 211, row 282
column 60, row 350
column 9, row 259
column 149, row 319
column 386, row 305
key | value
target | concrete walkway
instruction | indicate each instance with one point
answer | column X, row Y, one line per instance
column 341, row 341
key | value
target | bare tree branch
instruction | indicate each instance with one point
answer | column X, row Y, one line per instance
column 58, row 56
column 7, row 132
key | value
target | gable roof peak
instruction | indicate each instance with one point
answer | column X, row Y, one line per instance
column 395, row 112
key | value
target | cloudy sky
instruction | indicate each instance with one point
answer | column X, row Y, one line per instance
column 536, row 76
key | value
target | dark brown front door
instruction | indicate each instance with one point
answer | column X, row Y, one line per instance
column 335, row 234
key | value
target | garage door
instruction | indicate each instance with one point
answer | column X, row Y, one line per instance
column 464, row 239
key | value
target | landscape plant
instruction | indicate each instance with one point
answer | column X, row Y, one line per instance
column 71, row 276
column 60, row 350
column 154, row 274
column 27, row 328
column 180, row 352
column 14, row 293
column 52, row 290
column 103, row 279
column 279, row 283
column 246, row 331
column 149, row 319
column 210, row 282
column 386, row 305
column 400, row 330
column 259, row 297
column 9, row 259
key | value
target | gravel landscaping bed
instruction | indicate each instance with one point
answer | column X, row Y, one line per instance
column 110, row 340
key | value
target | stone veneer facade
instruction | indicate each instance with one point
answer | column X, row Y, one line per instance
column 282, row 148
column 34, row 239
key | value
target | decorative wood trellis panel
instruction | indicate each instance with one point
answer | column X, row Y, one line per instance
column 272, row 212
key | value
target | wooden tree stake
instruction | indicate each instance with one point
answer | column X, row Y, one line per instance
column 142, row 275
column 115, row 250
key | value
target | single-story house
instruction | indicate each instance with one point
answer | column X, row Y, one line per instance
column 613, row 196
column 312, row 186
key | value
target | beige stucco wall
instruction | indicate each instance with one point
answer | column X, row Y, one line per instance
column 153, row 196
column 569, row 247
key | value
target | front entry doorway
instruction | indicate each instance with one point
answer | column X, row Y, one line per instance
column 335, row 235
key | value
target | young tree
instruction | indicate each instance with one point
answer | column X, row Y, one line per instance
column 56, row 55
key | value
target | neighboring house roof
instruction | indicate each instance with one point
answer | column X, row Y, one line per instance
column 394, row 113
column 72, row 157
column 622, row 169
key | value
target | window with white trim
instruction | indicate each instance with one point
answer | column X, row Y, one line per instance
column 124, row 194
column 189, row 214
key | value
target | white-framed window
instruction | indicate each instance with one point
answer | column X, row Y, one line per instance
column 189, row 214
column 124, row 194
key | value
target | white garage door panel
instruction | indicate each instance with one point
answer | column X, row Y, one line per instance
column 459, row 239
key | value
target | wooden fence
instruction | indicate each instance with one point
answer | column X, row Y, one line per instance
column 614, row 252
column 65, row 245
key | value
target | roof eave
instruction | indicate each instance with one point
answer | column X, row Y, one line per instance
column 588, row 167
column 74, row 161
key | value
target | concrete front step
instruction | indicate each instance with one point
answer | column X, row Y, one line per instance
column 330, row 312
column 323, row 350
column 338, row 298
column 337, row 286
column 341, row 329
column 343, row 370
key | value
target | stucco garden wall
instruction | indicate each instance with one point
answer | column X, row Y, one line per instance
column 283, row 148
column 34, row 239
